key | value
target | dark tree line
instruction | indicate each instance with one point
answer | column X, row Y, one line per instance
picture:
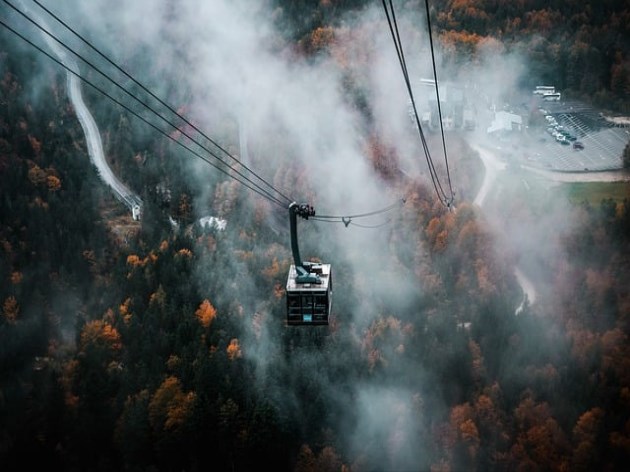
column 580, row 47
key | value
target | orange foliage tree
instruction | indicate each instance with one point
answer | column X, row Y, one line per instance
column 234, row 349
column 170, row 407
column 101, row 335
column 585, row 436
column 53, row 183
column 206, row 313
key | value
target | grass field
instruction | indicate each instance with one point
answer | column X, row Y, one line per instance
column 595, row 192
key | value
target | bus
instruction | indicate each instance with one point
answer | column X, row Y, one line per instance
column 552, row 97
column 544, row 89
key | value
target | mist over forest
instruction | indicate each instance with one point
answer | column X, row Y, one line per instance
column 486, row 334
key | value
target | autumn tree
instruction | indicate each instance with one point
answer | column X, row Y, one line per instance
column 305, row 460
column 206, row 313
column 234, row 349
column 540, row 439
column 321, row 39
column 587, row 438
column 170, row 407
column 10, row 310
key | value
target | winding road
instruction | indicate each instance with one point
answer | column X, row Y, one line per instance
column 493, row 166
column 90, row 128
column 95, row 148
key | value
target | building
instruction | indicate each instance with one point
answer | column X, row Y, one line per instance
column 504, row 121
column 453, row 106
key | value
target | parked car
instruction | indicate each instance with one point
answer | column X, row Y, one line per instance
column 578, row 145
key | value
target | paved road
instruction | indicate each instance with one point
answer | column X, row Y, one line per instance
column 89, row 126
column 493, row 166
column 94, row 143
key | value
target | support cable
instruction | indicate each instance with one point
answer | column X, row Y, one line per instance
column 245, row 180
column 347, row 219
column 437, row 92
column 137, row 115
column 393, row 26
column 161, row 101
column 152, row 110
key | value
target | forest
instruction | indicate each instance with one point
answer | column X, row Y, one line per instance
column 579, row 46
column 160, row 344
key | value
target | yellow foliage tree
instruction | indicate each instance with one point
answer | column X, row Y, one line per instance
column 206, row 313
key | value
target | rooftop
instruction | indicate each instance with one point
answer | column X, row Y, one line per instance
column 324, row 272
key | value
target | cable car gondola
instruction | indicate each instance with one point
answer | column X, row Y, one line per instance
column 309, row 284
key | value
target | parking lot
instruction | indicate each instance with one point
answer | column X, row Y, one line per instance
column 600, row 144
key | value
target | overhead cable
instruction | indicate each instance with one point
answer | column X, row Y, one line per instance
column 437, row 92
column 393, row 27
column 347, row 219
column 137, row 115
column 246, row 181
column 160, row 100
column 261, row 191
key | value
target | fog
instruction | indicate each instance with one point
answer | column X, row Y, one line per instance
column 229, row 64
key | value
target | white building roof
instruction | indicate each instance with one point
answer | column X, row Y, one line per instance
column 504, row 121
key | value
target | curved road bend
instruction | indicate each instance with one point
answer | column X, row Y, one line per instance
column 94, row 143
column 90, row 129
column 493, row 166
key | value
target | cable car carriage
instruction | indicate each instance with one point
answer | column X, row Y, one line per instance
column 309, row 284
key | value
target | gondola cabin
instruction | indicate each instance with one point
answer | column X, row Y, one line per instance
column 310, row 302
